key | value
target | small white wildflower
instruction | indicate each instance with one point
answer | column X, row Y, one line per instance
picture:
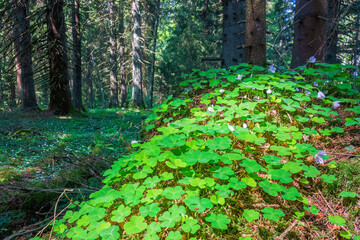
column 221, row 90
column 268, row 91
column 210, row 109
column 297, row 89
column 253, row 88
column 307, row 93
column 245, row 125
column 321, row 95
column 245, row 97
column 272, row 69
column 133, row 141
column 231, row 128
column 316, row 84
column 336, row 104
column 355, row 74
column 312, row 59
column 239, row 77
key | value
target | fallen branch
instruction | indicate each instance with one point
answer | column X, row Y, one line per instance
column 283, row 235
column 55, row 190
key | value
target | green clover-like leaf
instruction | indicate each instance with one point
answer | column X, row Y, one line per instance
column 292, row 194
column 111, row 233
column 348, row 194
column 151, row 182
column 251, row 165
column 222, row 172
column 199, row 205
column 218, row 221
column 174, row 235
column 328, row 178
column 281, row 175
column 271, row 188
column 292, row 167
column 272, row 214
column 312, row 172
column 249, row 181
column 150, row 210
column 190, row 225
column 135, row 225
column 236, row 183
column 173, row 193
column 153, row 228
column 168, row 219
column 251, row 215
column 337, row 220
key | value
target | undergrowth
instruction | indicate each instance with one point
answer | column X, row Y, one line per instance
column 241, row 155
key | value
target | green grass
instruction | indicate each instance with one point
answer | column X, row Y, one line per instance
column 43, row 152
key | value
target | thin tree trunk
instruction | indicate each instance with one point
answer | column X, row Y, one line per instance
column 77, row 81
column 100, row 88
column 309, row 31
column 90, row 88
column 332, row 31
column 122, row 59
column 152, row 64
column 256, row 32
column 233, row 52
column 114, row 100
column 356, row 45
column 137, row 93
column 60, row 96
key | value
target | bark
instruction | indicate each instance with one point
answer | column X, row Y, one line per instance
column 309, row 31
column 122, row 59
column 152, row 64
column 60, row 96
column 137, row 93
column 90, row 88
column 77, row 81
column 332, row 31
column 356, row 45
column 255, row 49
column 233, row 52
column 114, row 100
column 23, row 55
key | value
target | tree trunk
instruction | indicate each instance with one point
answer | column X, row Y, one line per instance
column 152, row 64
column 60, row 96
column 233, row 52
column 137, row 93
column 309, row 31
column 356, row 45
column 122, row 58
column 255, row 49
column 77, row 81
column 23, row 55
column 332, row 31
column 114, row 100
column 90, row 88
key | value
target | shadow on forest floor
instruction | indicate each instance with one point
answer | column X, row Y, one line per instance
column 41, row 155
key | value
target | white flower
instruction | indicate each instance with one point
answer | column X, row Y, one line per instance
column 318, row 157
column 245, row 97
column 312, row 59
column 336, row 104
column 231, row 128
column 307, row 93
column 221, row 90
column 268, row 91
column 239, row 77
column 272, row 69
column 133, row 141
column 355, row 74
column 245, row 125
column 321, row 95
column 210, row 109
column 297, row 89
column 316, row 84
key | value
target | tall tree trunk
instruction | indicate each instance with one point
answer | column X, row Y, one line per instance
column 152, row 64
column 77, row 81
column 122, row 58
column 309, row 31
column 332, row 31
column 114, row 100
column 356, row 44
column 23, row 54
column 90, row 88
column 137, row 93
column 255, row 49
column 60, row 96
column 233, row 52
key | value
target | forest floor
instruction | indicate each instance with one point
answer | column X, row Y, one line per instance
column 41, row 155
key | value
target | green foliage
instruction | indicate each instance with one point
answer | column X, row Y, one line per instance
column 198, row 171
